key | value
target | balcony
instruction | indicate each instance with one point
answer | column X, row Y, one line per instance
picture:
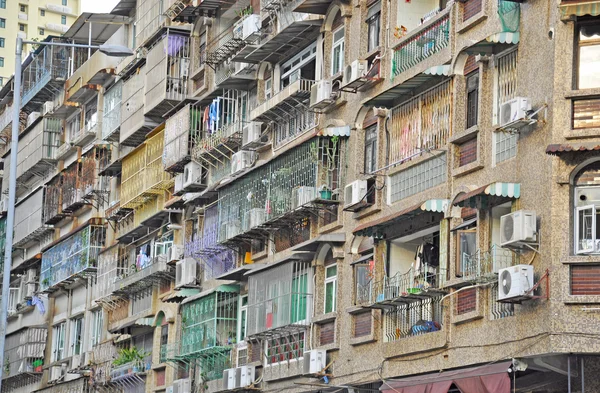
column 130, row 373
column 29, row 224
column 145, row 272
column 103, row 356
column 6, row 119
column 286, row 100
column 81, row 184
column 47, row 72
column 24, row 354
column 167, row 72
column 134, row 125
column 52, row 212
column 76, row 256
column 286, row 190
column 483, row 265
column 183, row 130
column 234, row 75
column 86, row 134
column 421, row 316
column 111, row 263
column 143, row 177
column 111, row 116
column 228, row 43
column 96, row 71
column 422, row 42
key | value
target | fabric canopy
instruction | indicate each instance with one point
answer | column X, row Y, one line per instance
column 491, row 378
column 499, row 191
column 580, row 9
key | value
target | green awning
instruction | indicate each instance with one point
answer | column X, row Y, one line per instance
column 220, row 288
column 504, row 38
column 436, row 205
column 497, row 192
column 149, row 321
column 493, row 43
column 439, row 70
column 580, row 9
column 181, row 294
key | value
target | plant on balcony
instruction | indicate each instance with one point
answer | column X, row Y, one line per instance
column 130, row 355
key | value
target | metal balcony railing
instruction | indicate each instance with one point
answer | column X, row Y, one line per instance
column 24, row 352
column 484, row 265
column 421, row 44
column 413, row 319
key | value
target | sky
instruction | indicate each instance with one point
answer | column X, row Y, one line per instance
column 98, row 5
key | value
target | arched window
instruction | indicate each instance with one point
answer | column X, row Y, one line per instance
column 586, row 201
column 337, row 46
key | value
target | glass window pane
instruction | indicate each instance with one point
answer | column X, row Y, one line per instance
column 331, row 271
column 330, row 297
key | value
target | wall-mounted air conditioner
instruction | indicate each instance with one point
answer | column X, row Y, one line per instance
column 229, row 378
column 514, row 110
column 245, row 376
column 515, row 282
column 88, row 358
column 182, row 386
column 320, row 94
column 178, row 190
column 55, row 373
column 518, row 227
column 241, row 161
column 47, row 108
column 169, row 389
column 75, row 361
column 239, row 67
column 314, row 361
column 251, row 132
column 175, row 253
column 355, row 192
column 303, row 195
column 192, row 176
column 253, row 218
column 251, row 26
column 33, row 116
column 31, row 275
column 354, row 72
column 185, row 273
column 230, row 229
column 30, row 290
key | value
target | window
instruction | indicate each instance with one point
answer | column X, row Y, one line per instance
column 588, row 55
column 585, row 280
column 587, row 210
column 472, row 98
column 58, row 342
column 362, row 324
column 504, row 143
column 42, row 12
column 3, row 4
column 21, row 27
column 13, row 298
column 281, row 349
column 1, row 61
column 330, row 288
column 301, row 66
column 2, row 23
column 363, row 274
column 64, row 2
column 467, row 152
column 63, row 20
column 417, row 178
column 371, row 149
column 466, row 245
column 268, row 88
column 22, row 8
column 299, row 297
column 76, row 336
column 97, row 326
column 337, row 51
column 73, row 126
column 243, row 318
column 164, row 340
column 1, row 42
column 42, row 32
column 373, row 21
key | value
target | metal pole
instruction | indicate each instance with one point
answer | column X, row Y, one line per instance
column 90, row 40
column 12, row 190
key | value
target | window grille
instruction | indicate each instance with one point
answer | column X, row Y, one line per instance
column 412, row 319
column 505, row 144
column 499, row 310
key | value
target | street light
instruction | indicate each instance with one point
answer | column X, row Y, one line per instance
column 109, row 50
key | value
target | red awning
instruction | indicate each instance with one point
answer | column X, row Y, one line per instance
column 486, row 378
column 558, row 149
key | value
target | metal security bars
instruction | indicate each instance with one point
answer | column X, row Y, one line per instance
column 505, row 144
column 412, row 319
column 499, row 310
column 76, row 255
column 280, row 298
column 422, row 123
column 421, row 45
column 24, row 352
column 484, row 265
column 183, row 131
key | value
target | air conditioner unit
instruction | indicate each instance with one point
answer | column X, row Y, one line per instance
column 241, row 160
column 355, row 192
column 192, row 176
column 88, row 358
column 251, row 132
column 515, row 282
column 320, row 94
column 314, row 361
column 354, row 72
column 169, row 389
column 229, row 378
column 182, row 386
column 47, row 108
column 30, row 290
column 518, row 227
column 238, row 67
column 175, row 253
column 253, row 218
column 185, row 273
column 302, row 196
column 75, row 361
column 230, row 229
column 238, row 29
column 241, row 353
column 31, row 275
column 251, row 26
column 55, row 373
column 33, row 116
column 514, row 110
column 245, row 376
column 178, row 184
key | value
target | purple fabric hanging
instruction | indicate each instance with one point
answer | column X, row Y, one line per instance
column 174, row 44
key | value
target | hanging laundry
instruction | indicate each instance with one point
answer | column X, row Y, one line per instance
column 36, row 301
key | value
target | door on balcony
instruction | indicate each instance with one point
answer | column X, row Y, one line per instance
column 500, row 257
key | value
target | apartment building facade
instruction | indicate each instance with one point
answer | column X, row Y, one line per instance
column 32, row 20
column 309, row 196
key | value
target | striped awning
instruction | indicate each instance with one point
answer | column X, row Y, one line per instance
column 445, row 70
column 181, row 294
column 431, row 205
column 149, row 321
column 480, row 197
column 335, row 131
column 504, row 38
column 580, row 9
column 220, row 288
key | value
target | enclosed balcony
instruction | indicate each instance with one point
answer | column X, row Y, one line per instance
column 231, row 40
column 87, row 133
column 146, row 271
column 37, row 150
column 24, row 353
column 143, row 176
column 167, row 72
column 111, row 116
column 85, row 82
column 415, row 318
column 134, row 124
column 46, row 72
column 52, row 212
column 29, row 223
column 112, row 263
column 234, row 75
column 183, row 131
column 81, row 184
column 76, row 256
column 295, row 185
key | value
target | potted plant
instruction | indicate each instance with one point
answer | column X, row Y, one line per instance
column 325, row 192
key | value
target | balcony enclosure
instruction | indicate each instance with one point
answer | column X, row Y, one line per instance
column 111, row 264
column 143, row 177
column 421, row 124
column 183, row 131
column 167, row 72
column 47, row 72
column 81, row 184
column 288, row 187
column 37, row 149
column 111, row 116
column 414, row 318
column 29, row 224
column 280, row 299
column 74, row 256
column 24, row 352
column 52, row 211
column 150, row 15
column 134, row 124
